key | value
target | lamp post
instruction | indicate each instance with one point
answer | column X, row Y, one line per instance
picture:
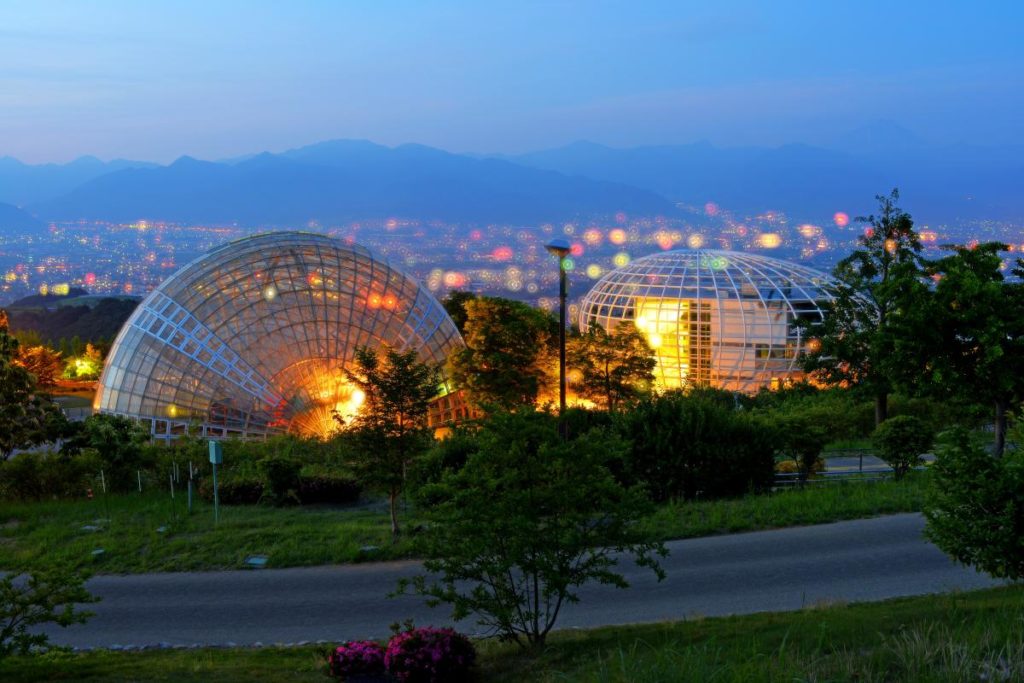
column 560, row 247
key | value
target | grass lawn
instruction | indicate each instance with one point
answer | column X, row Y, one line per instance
column 142, row 533
column 962, row 637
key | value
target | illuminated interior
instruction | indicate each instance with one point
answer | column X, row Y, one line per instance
column 720, row 318
column 253, row 338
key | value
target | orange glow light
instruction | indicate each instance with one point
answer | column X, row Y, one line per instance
column 841, row 219
column 617, row 236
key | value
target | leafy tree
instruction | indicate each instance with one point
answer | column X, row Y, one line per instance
column 510, row 353
column 900, row 441
column 455, row 304
column 614, row 368
column 803, row 438
column 525, row 522
column 391, row 426
column 40, row 597
column 87, row 365
column 27, row 418
column 117, row 441
column 45, row 364
column 970, row 335
column 858, row 342
column 973, row 510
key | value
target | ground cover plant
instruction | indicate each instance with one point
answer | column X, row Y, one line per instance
column 936, row 639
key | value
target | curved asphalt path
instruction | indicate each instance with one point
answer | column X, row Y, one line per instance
column 786, row 569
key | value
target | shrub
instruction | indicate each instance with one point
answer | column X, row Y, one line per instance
column 430, row 655
column 901, row 440
column 37, row 476
column 233, row 489
column 974, row 506
column 280, row 477
column 357, row 658
column 689, row 447
column 320, row 485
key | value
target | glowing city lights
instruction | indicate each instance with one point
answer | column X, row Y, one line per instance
column 841, row 219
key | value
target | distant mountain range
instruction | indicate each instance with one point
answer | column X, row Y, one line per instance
column 937, row 183
column 13, row 219
column 344, row 180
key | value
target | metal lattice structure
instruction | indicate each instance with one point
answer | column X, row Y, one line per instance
column 253, row 337
column 721, row 318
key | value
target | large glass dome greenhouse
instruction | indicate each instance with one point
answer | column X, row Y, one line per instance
column 721, row 318
column 252, row 338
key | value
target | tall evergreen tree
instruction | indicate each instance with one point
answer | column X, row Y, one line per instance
column 859, row 340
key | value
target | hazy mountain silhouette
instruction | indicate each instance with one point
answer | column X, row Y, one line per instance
column 938, row 183
column 22, row 184
column 344, row 180
column 14, row 219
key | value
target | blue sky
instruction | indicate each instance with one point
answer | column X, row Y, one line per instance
column 214, row 79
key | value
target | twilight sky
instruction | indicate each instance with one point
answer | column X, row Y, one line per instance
column 217, row 78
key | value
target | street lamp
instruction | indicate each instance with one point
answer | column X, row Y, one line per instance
column 560, row 247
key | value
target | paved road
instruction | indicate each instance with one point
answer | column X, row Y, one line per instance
column 763, row 571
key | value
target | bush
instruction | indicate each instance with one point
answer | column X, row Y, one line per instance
column 320, row 485
column 974, row 506
column 233, row 489
column 280, row 477
column 690, row 447
column 901, row 440
column 430, row 655
column 357, row 658
column 38, row 476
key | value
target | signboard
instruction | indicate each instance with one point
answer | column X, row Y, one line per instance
column 216, row 453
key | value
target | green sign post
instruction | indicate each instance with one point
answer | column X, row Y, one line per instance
column 216, row 458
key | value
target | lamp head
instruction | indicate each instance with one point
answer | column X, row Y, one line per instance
column 559, row 246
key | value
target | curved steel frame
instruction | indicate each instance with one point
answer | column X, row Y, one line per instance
column 713, row 317
column 252, row 338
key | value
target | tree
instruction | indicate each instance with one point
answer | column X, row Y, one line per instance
column 509, row 356
column 88, row 365
column 900, row 441
column 525, row 522
column 858, row 341
column 36, row 598
column 614, row 368
column 27, row 418
column 45, row 364
column 970, row 335
column 117, row 441
column 973, row 510
column 391, row 426
column 803, row 438
column 455, row 304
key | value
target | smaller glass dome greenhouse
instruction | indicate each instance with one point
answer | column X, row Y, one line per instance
column 721, row 318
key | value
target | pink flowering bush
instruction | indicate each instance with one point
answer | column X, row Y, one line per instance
column 357, row 658
column 429, row 655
